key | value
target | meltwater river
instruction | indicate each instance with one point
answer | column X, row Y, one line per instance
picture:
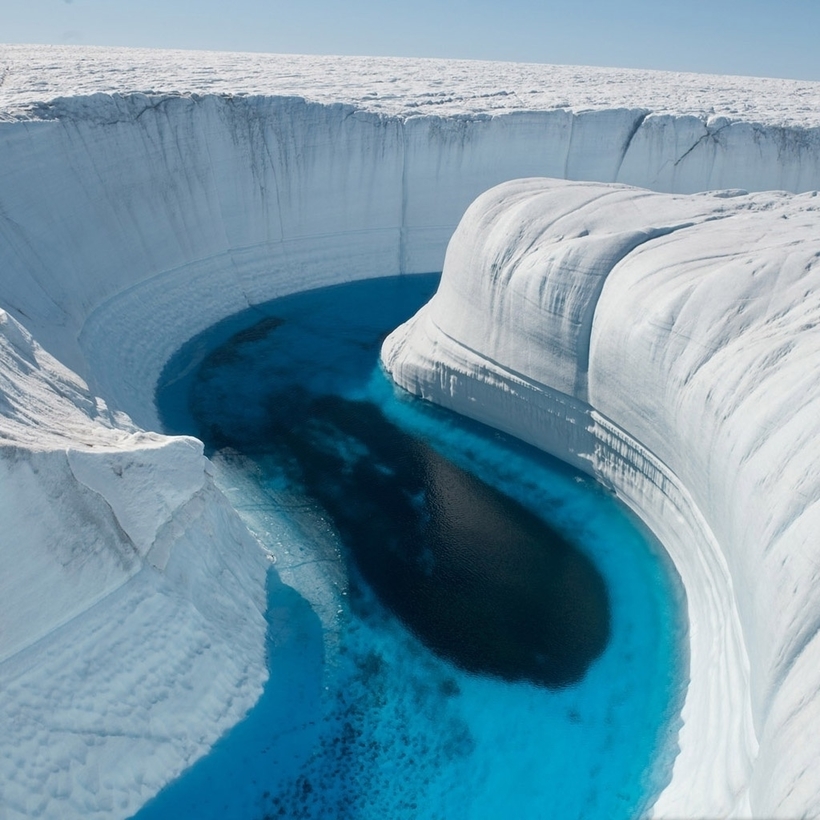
column 459, row 626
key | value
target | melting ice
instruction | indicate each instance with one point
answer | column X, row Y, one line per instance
column 470, row 628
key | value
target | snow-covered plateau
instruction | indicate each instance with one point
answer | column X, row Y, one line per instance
column 667, row 343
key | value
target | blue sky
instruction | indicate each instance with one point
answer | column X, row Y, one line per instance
column 776, row 38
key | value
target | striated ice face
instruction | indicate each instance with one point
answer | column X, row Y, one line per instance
column 669, row 345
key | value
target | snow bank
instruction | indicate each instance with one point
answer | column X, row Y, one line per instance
column 146, row 195
column 131, row 598
column 670, row 346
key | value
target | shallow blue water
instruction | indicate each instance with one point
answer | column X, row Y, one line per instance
column 373, row 709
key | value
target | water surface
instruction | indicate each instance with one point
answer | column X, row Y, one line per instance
column 470, row 630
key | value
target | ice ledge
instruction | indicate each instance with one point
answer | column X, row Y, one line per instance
column 132, row 599
column 699, row 408
column 226, row 201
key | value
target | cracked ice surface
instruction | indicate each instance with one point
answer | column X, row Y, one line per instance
column 146, row 195
column 401, row 86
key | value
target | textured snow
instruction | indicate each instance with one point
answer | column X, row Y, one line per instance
column 146, row 195
column 669, row 345
column 400, row 86
column 132, row 598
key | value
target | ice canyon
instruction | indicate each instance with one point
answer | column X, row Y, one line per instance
column 634, row 288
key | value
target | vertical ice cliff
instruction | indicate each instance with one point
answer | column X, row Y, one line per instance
column 668, row 345
column 147, row 218
column 130, row 221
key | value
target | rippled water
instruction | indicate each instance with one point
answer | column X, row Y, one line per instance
column 467, row 628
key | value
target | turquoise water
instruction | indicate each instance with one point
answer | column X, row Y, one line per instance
column 459, row 626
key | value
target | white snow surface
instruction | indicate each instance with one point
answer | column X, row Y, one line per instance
column 399, row 86
column 145, row 195
column 131, row 599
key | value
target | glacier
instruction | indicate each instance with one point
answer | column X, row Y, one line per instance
column 668, row 345
column 146, row 195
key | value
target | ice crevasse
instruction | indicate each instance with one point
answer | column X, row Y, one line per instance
column 665, row 342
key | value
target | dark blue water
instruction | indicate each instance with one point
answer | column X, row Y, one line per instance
column 469, row 629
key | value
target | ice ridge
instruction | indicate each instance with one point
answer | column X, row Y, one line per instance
column 699, row 409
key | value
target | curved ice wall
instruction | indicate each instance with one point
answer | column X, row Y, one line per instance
column 145, row 219
column 130, row 222
column 668, row 345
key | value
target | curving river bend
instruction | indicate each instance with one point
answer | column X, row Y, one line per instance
column 468, row 629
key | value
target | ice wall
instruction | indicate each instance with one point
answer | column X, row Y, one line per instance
column 131, row 598
column 131, row 221
column 669, row 345
column 147, row 218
